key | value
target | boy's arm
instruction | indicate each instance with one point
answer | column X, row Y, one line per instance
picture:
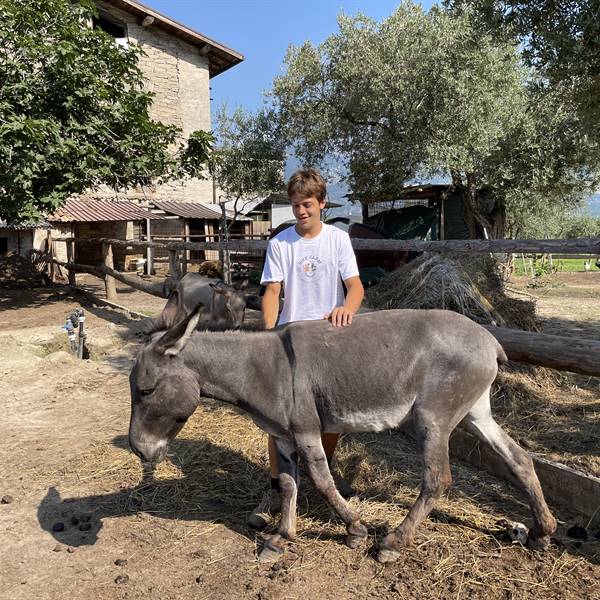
column 270, row 304
column 342, row 315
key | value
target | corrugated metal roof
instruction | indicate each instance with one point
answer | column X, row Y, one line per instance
column 41, row 224
column 87, row 210
column 194, row 210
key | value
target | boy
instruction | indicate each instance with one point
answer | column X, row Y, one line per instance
column 310, row 260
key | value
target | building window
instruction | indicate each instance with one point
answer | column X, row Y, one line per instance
column 3, row 245
column 116, row 30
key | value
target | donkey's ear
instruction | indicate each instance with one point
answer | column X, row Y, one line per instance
column 221, row 288
column 175, row 339
column 242, row 285
column 167, row 317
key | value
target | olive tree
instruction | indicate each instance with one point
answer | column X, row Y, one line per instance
column 247, row 164
column 428, row 94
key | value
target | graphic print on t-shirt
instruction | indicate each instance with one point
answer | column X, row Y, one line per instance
column 310, row 268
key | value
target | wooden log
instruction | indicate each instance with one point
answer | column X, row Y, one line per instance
column 71, row 259
column 574, row 246
column 132, row 314
column 109, row 282
column 155, row 289
column 185, row 255
column 579, row 355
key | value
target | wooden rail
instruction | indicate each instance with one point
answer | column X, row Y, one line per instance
column 574, row 246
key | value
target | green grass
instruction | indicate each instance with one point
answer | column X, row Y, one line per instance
column 562, row 265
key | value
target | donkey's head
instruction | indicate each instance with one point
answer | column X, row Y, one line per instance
column 229, row 305
column 164, row 391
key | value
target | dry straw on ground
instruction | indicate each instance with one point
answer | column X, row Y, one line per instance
column 217, row 470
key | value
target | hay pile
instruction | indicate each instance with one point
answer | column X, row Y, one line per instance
column 18, row 272
column 466, row 284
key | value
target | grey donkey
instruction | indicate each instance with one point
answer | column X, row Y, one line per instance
column 298, row 380
column 225, row 304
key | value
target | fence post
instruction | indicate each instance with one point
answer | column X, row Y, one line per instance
column 149, row 250
column 174, row 272
column 71, row 259
column 185, row 255
column 51, row 265
column 109, row 282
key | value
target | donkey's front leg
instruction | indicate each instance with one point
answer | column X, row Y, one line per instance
column 287, row 458
column 311, row 450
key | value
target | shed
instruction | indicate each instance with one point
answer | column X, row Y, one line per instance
column 85, row 218
column 19, row 237
column 445, row 206
column 195, row 222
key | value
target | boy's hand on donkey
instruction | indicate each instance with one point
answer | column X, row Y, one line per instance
column 340, row 316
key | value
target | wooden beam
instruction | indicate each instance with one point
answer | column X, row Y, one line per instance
column 155, row 289
column 579, row 355
column 574, row 246
column 562, row 485
column 71, row 259
column 174, row 270
column 149, row 250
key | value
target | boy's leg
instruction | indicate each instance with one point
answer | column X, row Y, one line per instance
column 270, row 503
column 329, row 442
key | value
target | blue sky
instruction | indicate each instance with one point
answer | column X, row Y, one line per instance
column 262, row 30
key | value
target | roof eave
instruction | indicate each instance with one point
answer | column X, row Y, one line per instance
column 229, row 57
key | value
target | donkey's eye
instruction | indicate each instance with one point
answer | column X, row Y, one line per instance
column 181, row 419
column 147, row 392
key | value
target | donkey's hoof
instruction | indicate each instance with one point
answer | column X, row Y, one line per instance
column 272, row 550
column 270, row 555
column 387, row 555
column 357, row 533
column 539, row 544
column 354, row 541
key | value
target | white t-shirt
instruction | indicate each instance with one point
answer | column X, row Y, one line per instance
column 311, row 271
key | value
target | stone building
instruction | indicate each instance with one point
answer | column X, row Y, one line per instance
column 178, row 65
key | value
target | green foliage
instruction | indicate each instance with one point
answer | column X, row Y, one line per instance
column 559, row 39
column 249, row 159
column 426, row 94
column 74, row 113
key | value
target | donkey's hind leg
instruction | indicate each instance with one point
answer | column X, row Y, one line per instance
column 311, row 450
column 288, row 489
column 480, row 422
column 437, row 478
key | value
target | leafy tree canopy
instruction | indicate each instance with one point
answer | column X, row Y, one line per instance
column 249, row 158
column 73, row 111
column 425, row 94
column 559, row 38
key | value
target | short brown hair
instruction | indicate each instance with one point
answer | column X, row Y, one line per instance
column 307, row 183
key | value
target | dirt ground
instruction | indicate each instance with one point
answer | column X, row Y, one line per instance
column 82, row 523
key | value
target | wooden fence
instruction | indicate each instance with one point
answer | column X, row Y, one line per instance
column 573, row 354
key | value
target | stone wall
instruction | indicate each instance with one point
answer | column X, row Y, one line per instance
column 178, row 75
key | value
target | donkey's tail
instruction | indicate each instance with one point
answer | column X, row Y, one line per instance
column 500, row 353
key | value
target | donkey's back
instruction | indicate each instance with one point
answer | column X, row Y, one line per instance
column 373, row 374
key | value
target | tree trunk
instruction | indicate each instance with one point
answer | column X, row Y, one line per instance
column 479, row 223
column 224, row 254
